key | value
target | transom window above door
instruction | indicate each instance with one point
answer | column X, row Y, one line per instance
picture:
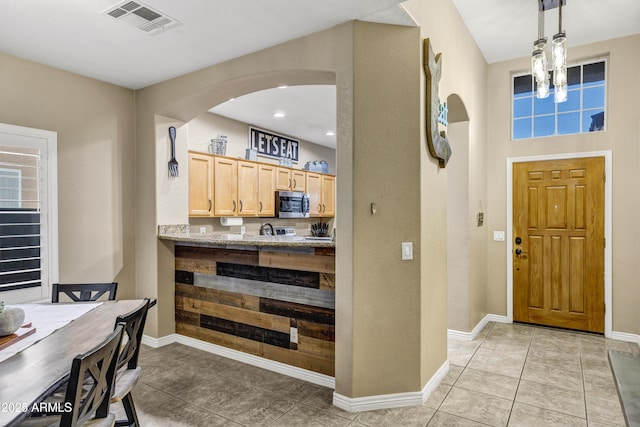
column 584, row 110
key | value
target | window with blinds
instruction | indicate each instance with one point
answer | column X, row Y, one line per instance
column 20, row 218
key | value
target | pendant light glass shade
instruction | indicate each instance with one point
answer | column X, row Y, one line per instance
column 560, row 93
column 543, row 88
column 559, row 61
column 540, row 67
column 539, row 60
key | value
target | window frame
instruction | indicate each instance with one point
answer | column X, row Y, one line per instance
column 47, row 142
column 581, row 64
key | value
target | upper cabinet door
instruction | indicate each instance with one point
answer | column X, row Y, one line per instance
column 283, row 179
column 266, row 190
column 200, row 185
column 247, row 189
column 225, row 187
column 328, row 195
column 314, row 189
column 298, row 179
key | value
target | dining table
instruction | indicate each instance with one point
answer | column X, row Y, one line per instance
column 31, row 374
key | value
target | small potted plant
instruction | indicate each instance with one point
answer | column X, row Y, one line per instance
column 11, row 318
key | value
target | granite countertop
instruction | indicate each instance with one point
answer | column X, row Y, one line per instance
column 230, row 239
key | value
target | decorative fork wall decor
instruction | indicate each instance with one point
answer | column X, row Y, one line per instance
column 173, row 163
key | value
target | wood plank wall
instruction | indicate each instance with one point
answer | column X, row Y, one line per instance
column 226, row 297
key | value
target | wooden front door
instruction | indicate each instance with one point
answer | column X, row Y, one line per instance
column 558, row 248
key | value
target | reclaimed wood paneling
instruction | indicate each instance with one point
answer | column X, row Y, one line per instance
column 316, row 347
column 227, row 297
column 328, row 281
column 298, row 311
column 316, row 330
column 235, row 256
column 292, row 261
column 243, row 330
column 273, row 275
column 205, row 266
column 325, row 251
column 294, row 294
column 248, row 302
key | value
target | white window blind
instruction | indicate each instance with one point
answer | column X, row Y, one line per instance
column 21, row 225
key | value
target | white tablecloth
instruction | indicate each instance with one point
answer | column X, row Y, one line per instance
column 46, row 318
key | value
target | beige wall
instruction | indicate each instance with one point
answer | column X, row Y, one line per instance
column 378, row 309
column 208, row 125
column 464, row 74
column 96, row 159
column 621, row 136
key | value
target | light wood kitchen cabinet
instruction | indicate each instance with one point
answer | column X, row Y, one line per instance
column 314, row 189
column 328, row 195
column 290, row 179
column 266, row 190
column 225, row 189
column 222, row 186
column 200, row 185
column 247, row 188
column 298, row 179
column 322, row 194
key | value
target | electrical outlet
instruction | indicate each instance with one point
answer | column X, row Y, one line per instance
column 203, row 230
column 293, row 333
column 242, row 229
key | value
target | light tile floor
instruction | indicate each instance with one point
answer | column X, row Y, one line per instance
column 513, row 375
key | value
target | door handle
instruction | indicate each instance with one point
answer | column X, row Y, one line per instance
column 234, row 206
column 290, row 183
column 240, row 205
column 518, row 251
column 260, row 206
column 295, row 184
column 210, row 205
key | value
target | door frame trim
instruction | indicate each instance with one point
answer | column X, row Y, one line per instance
column 608, row 186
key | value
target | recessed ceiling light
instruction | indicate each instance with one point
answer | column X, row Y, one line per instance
column 278, row 115
column 330, row 133
column 283, row 87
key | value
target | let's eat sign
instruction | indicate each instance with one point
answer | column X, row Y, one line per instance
column 272, row 145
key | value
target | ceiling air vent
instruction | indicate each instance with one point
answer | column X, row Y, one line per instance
column 141, row 16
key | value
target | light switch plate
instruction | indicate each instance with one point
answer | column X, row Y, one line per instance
column 498, row 236
column 407, row 251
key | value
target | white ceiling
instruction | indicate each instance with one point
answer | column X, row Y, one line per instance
column 75, row 35
column 310, row 112
column 506, row 29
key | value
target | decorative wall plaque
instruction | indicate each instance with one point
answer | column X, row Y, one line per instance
column 436, row 140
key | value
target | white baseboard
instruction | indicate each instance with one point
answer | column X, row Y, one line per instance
column 158, row 342
column 468, row 336
column 623, row 336
column 396, row 400
column 250, row 359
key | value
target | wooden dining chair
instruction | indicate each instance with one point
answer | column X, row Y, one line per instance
column 83, row 291
column 88, row 390
column 128, row 370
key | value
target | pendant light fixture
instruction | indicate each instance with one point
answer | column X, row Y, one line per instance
column 539, row 64
column 559, row 59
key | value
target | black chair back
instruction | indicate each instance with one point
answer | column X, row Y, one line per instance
column 133, row 329
column 91, row 381
column 83, row 291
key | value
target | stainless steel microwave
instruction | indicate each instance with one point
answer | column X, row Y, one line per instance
column 292, row 204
